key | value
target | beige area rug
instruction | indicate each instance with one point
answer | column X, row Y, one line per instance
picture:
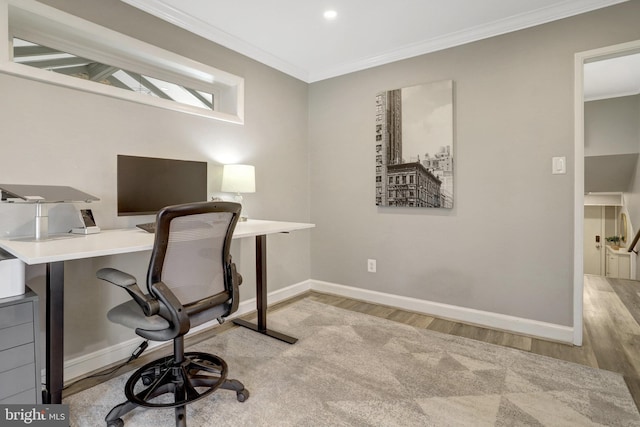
column 352, row 369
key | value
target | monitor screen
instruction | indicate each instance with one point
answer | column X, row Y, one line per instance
column 147, row 184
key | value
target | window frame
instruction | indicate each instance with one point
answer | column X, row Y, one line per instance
column 42, row 24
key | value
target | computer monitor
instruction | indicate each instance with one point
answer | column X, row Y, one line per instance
column 147, row 184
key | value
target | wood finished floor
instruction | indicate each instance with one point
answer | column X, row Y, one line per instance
column 611, row 331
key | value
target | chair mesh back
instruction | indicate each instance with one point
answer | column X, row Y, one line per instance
column 193, row 264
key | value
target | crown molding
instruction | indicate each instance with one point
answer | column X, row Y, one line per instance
column 496, row 28
column 526, row 20
column 194, row 25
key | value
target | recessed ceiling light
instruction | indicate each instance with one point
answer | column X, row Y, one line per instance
column 330, row 14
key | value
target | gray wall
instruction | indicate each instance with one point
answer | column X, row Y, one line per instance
column 611, row 143
column 507, row 245
column 55, row 135
column 611, row 126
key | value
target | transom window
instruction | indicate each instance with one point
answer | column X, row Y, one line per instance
column 46, row 58
column 49, row 45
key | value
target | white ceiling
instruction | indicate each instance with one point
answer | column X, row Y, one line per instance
column 294, row 37
column 611, row 78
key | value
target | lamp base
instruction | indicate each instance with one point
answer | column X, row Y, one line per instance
column 243, row 212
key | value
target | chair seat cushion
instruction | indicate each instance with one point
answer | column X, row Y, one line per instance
column 130, row 314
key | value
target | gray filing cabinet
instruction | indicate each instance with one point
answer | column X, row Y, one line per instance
column 20, row 380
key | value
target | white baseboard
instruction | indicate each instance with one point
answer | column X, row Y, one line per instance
column 518, row 325
column 81, row 366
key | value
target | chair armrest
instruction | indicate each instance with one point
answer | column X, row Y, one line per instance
column 172, row 310
column 117, row 277
column 126, row 281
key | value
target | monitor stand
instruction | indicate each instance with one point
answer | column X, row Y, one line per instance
column 41, row 196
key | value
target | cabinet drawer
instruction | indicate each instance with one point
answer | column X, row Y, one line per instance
column 16, row 335
column 15, row 314
column 16, row 356
column 17, row 380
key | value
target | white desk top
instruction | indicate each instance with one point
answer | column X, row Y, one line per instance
column 113, row 242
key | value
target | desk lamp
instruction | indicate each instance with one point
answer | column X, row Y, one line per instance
column 239, row 179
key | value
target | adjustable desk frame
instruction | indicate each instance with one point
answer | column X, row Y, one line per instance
column 261, row 295
column 53, row 253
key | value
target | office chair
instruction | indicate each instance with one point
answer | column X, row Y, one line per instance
column 191, row 280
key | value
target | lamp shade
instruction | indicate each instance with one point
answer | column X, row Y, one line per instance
column 239, row 179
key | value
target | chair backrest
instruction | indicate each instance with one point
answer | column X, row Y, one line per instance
column 191, row 250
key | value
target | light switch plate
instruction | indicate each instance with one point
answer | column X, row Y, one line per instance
column 558, row 165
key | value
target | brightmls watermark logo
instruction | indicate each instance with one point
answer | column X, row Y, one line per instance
column 34, row 415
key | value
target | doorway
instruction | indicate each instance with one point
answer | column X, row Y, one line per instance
column 600, row 222
column 579, row 270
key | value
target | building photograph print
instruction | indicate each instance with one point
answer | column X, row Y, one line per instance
column 414, row 146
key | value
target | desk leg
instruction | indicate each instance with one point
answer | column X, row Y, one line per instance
column 261, row 295
column 54, row 352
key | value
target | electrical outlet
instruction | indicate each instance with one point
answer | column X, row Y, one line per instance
column 371, row 265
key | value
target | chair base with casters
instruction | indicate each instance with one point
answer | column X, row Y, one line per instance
column 191, row 280
column 171, row 383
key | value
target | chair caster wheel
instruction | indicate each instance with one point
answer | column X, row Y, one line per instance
column 242, row 395
column 116, row 423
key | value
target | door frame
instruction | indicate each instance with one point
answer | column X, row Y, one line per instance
column 580, row 59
